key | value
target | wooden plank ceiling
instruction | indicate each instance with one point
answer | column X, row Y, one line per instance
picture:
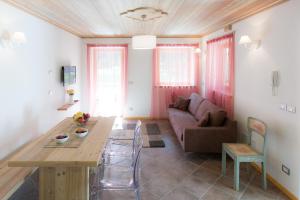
column 101, row 18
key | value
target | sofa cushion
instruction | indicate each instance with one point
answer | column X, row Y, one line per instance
column 205, row 107
column 204, row 120
column 196, row 100
column 181, row 103
column 217, row 118
column 181, row 120
column 217, row 115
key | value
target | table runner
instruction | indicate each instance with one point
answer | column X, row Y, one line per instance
column 73, row 141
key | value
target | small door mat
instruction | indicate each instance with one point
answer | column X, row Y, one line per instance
column 129, row 126
column 153, row 129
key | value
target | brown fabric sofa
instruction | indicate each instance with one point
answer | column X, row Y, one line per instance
column 208, row 139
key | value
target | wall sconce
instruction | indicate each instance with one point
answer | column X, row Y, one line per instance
column 198, row 50
column 248, row 43
column 10, row 39
column 19, row 38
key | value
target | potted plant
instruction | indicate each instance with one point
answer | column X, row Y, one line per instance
column 71, row 93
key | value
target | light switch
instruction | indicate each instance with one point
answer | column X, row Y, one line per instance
column 283, row 107
column 291, row 109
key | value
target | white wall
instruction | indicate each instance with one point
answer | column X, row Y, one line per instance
column 279, row 30
column 26, row 108
column 139, row 74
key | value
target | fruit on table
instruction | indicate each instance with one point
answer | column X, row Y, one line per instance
column 86, row 115
column 78, row 115
column 81, row 130
column 61, row 137
column 81, row 117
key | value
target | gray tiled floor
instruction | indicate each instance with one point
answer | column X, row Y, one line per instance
column 170, row 174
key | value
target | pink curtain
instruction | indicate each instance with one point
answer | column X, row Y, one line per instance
column 219, row 81
column 175, row 73
column 118, row 55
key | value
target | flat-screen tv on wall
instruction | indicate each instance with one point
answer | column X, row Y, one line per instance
column 68, row 75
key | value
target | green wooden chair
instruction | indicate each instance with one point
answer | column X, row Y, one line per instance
column 246, row 153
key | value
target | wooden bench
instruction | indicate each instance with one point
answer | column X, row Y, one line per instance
column 11, row 178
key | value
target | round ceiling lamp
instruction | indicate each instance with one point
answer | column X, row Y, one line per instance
column 144, row 14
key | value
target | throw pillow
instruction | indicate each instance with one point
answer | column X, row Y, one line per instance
column 217, row 118
column 203, row 122
column 171, row 105
column 182, row 103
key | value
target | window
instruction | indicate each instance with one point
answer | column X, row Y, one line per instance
column 226, row 68
column 107, row 66
column 176, row 65
column 219, row 81
column 175, row 73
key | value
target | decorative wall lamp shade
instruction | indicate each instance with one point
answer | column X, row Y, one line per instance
column 248, row 43
column 8, row 40
column 245, row 40
column 19, row 38
column 5, row 39
column 197, row 50
column 144, row 42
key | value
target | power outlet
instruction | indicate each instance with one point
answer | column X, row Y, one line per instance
column 291, row 109
column 283, row 107
column 285, row 169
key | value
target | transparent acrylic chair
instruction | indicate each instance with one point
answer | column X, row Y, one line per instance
column 123, row 149
column 116, row 164
column 120, row 178
column 121, row 134
column 246, row 152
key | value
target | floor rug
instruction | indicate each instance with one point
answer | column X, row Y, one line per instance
column 152, row 137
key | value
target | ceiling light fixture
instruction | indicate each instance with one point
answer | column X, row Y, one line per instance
column 144, row 14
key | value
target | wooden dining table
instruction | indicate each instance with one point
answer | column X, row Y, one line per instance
column 64, row 172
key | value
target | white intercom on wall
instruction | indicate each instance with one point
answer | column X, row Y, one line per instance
column 275, row 82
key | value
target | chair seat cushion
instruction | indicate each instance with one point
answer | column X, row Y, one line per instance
column 241, row 149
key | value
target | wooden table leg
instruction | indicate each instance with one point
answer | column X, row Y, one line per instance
column 61, row 183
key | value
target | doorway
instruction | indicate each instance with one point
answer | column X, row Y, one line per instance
column 107, row 70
